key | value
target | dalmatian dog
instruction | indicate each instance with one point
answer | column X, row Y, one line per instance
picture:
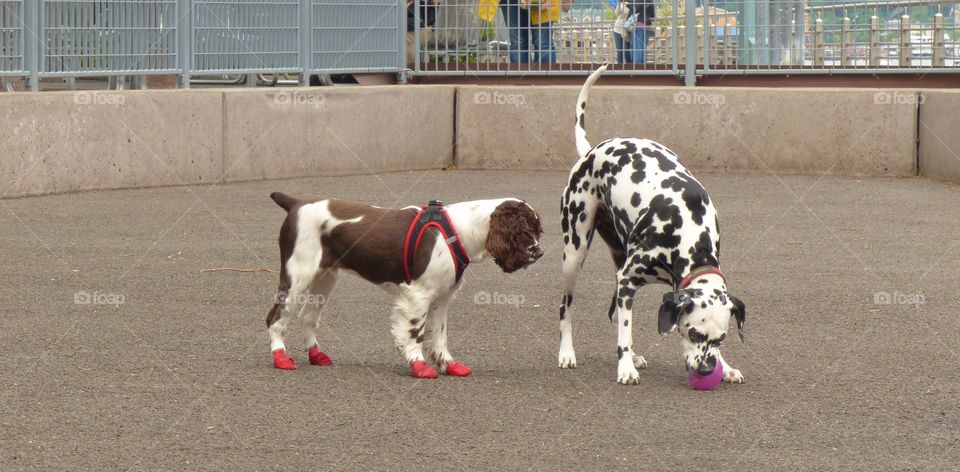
column 661, row 227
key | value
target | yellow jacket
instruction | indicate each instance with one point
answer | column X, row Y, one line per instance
column 488, row 11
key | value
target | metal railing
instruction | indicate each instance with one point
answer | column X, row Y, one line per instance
column 76, row 38
column 723, row 37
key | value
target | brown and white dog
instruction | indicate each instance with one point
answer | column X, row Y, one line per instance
column 319, row 239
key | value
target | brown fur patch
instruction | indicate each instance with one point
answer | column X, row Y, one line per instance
column 373, row 247
column 514, row 227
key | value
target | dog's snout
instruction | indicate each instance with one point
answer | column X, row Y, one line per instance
column 707, row 366
column 536, row 252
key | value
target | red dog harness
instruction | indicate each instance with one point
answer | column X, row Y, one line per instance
column 699, row 272
column 433, row 215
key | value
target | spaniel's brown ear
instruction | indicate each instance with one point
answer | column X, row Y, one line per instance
column 505, row 240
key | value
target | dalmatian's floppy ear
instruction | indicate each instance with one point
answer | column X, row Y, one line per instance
column 739, row 312
column 673, row 304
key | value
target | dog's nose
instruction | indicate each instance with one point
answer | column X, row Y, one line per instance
column 536, row 252
column 707, row 366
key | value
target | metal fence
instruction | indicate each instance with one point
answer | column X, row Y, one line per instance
column 11, row 38
column 73, row 38
column 77, row 38
column 714, row 37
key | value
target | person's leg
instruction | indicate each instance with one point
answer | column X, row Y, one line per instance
column 546, row 51
column 640, row 37
column 618, row 43
column 517, row 21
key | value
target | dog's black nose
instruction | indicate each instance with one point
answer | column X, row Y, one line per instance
column 707, row 366
column 536, row 252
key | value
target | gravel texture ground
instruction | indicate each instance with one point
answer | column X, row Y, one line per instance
column 850, row 359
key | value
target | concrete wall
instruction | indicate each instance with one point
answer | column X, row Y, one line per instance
column 939, row 129
column 282, row 133
column 58, row 142
column 802, row 131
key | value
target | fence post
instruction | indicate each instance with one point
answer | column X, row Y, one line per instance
column 818, row 42
column 690, row 61
column 795, row 52
column 905, row 41
column 184, row 41
column 306, row 32
column 675, row 39
column 32, row 43
column 845, row 56
column 705, row 44
column 938, row 53
column 874, row 40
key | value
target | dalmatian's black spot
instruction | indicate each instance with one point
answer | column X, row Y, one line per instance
column 665, row 163
column 692, row 193
column 635, row 200
column 563, row 312
column 619, row 352
column 702, row 281
column 626, row 322
column 703, row 253
column 414, row 321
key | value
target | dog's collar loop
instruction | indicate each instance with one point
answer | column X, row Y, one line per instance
column 700, row 272
column 433, row 215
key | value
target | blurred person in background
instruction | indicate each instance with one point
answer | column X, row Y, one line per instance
column 529, row 23
column 632, row 28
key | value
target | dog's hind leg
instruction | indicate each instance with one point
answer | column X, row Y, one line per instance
column 577, row 222
column 297, row 272
column 313, row 303
column 435, row 340
column 408, row 320
column 279, row 318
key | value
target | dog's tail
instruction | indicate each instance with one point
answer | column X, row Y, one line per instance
column 285, row 201
column 583, row 146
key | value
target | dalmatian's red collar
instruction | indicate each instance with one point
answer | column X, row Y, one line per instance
column 699, row 272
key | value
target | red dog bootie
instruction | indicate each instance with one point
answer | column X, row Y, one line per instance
column 282, row 361
column 422, row 371
column 317, row 357
column 457, row 369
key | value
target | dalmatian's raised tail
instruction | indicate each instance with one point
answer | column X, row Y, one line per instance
column 584, row 146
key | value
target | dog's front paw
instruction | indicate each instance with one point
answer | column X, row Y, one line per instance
column 639, row 362
column 733, row 376
column 627, row 374
column 568, row 359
